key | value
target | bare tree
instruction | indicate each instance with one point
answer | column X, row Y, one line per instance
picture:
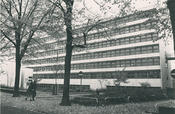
column 121, row 77
column 66, row 8
column 57, row 68
column 19, row 23
column 160, row 22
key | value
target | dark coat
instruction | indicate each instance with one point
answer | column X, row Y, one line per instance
column 32, row 88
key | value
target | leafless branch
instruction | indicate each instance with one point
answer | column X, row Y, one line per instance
column 8, row 37
column 5, row 46
column 15, row 6
column 31, row 33
column 58, row 4
column 25, row 8
column 38, row 42
column 9, row 11
column 32, row 9
column 7, row 25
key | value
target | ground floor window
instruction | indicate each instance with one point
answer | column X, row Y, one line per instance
column 106, row 75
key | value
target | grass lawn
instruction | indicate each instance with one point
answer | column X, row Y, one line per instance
column 51, row 105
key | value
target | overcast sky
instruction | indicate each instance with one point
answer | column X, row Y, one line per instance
column 93, row 8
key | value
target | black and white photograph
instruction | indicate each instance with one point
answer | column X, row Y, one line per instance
column 87, row 56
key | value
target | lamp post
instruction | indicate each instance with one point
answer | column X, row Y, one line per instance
column 81, row 76
column 7, row 80
column 56, row 84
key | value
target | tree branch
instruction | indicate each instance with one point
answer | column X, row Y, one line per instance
column 25, row 8
column 5, row 46
column 20, row 9
column 32, row 10
column 87, row 30
column 8, row 37
column 79, row 46
column 7, row 25
column 37, row 42
column 32, row 33
column 9, row 12
column 14, row 5
column 58, row 4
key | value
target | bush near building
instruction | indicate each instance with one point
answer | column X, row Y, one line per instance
column 122, row 94
column 136, row 94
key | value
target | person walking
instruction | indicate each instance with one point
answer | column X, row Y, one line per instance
column 33, row 84
column 29, row 89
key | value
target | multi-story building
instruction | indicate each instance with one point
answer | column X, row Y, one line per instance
column 129, row 44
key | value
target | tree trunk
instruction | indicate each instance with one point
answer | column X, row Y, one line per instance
column 18, row 62
column 65, row 98
column 171, row 7
column 17, row 74
column 68, row 22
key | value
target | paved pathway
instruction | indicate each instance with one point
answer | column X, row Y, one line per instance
column 14, row 110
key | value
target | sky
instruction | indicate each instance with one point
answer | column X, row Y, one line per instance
column 93, row 7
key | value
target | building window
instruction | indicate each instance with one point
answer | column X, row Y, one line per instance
column 132, row 40
column 156, row 48
column 137, row 39
column 156, row 61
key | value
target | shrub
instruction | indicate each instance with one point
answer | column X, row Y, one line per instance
column 145, row 84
